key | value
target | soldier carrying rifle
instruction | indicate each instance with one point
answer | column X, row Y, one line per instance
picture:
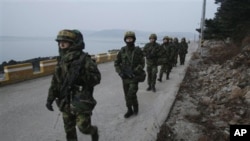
column 73, row 84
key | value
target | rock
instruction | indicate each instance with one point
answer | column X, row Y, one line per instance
column 205, row 100
column 247, row 97
column 236, row 92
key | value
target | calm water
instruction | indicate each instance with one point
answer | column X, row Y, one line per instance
column 24, row 48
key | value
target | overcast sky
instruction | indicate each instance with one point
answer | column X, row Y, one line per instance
column 47, row 17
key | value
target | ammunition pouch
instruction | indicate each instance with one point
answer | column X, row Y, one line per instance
column 61, row 104
column 150, row 56
column 161, row 61
column 140, row 76
column 82, row 101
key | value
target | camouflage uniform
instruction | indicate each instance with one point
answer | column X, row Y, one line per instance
column 75, row 100
column 129, row 65
column 165, row 54
column 151, row 51
column 176, row 52
column 183, row 51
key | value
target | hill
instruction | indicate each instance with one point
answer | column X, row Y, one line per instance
column 119, row 33
column 213, row 95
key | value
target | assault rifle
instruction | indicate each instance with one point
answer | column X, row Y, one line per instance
column 69, row 81
column 128, row 72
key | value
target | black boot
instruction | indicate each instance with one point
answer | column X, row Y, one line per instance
column 167, row 76
column 95, row 135
column 160, row 76
column 153, row 88
column 129, row 112
column 149, row 88
column 135, row 106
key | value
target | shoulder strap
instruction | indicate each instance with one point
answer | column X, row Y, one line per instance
column 71, row 77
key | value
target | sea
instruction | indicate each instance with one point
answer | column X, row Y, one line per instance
column 24, row 48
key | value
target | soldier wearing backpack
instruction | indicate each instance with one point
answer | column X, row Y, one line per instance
column 129, row 64
column 73, row 84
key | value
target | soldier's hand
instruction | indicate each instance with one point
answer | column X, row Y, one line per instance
column 131, row 75
column 122, row 75
column 49, row 106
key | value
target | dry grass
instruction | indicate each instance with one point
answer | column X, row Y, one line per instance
column 221, row 54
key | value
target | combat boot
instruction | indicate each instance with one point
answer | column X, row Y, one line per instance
column 167, row 77
column 153, row 88
column 159, row 79
column 149, row 88
column 95, row 135
column 135, row 106
column 129, row 112
column 160, row 76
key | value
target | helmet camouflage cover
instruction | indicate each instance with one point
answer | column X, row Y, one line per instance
column 153, row 36
column 129, row 34
column 165, row 38
column 66, row 35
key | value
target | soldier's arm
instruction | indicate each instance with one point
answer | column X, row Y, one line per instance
column 117, row 63
column 92, row 75
column 53, row 90
column 144, row 51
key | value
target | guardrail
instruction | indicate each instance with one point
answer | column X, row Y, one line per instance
column 22, row 72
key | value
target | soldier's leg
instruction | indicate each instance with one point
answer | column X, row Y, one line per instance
column 154, row 75
column 149, row 72
column 161, row 73
column 83, row 122
column 132, row 94
column 180, row 58
column 169, row 67
column 69, row 126
column 126, row 87
column 176, row 57
column 184, row 57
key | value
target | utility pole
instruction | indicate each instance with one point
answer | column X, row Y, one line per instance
column 202, row 25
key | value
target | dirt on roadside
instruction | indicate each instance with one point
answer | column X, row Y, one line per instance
column 214, row 94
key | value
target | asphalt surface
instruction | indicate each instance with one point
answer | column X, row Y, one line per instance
column 23, row 116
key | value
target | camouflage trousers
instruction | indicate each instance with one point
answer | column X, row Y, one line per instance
column 182, row 58
column 130, row 89
column 81, row 120
column 165, row 68
column 152, row 74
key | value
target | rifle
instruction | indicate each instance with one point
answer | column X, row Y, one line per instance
column 128, row 72
column 69, row 81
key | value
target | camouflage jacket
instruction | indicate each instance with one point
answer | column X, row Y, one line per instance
column 130, row 58
column 88, row 77
column 151, row 51
column 183, row 48
column 166, row 53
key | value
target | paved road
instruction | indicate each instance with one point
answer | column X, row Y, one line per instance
column 23, row 116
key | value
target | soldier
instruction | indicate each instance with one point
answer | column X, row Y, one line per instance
column 166, row 53
column 129, row 65
column 183, row 51
column 151, row 50
column 73, row 84
column 176, row 53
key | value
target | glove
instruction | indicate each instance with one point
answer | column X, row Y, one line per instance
column 122, row 75
column 131, row 75
column 49, row 105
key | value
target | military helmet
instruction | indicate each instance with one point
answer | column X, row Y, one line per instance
column 153, row 36
column 165, row 38
column 66, row 35
column 129, row 34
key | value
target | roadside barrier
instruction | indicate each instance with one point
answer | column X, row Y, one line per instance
column 22, row 72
